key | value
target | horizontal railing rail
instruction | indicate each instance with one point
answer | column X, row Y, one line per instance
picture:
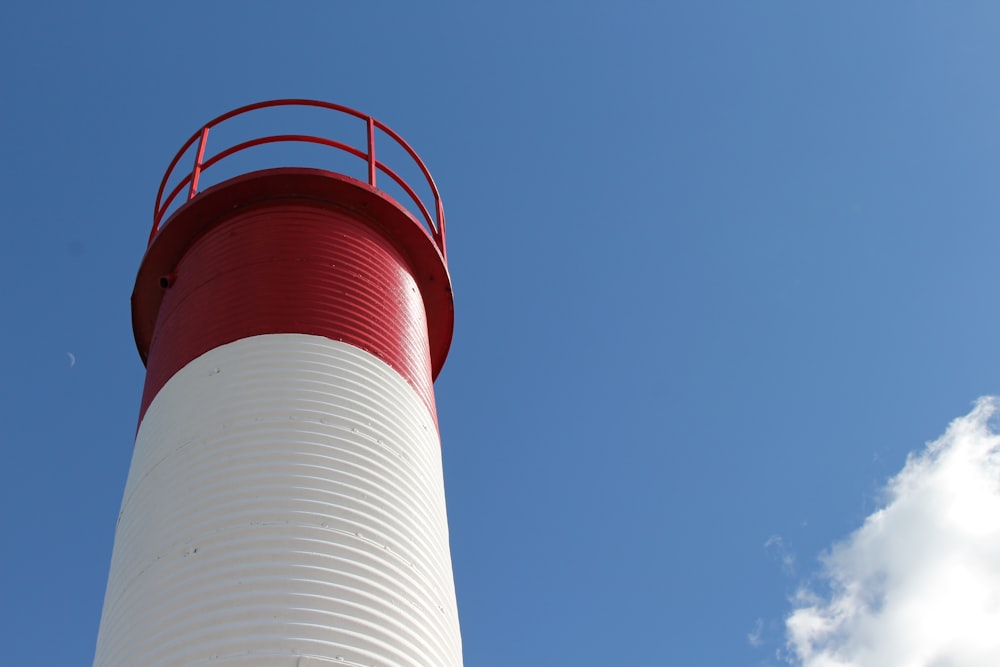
column 190, row 181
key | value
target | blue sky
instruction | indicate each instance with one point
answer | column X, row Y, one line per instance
column 720, row 267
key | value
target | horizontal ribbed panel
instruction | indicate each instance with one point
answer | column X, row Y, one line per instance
column 285, row 506
column 292, row 267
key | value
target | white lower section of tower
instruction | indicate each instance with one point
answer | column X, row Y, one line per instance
column 285, row 507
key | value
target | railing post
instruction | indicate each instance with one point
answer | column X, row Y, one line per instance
column 439, row 232
column 371, row 151
column 197, row 163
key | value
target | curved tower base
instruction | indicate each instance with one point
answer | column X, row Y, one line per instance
column 285, row 506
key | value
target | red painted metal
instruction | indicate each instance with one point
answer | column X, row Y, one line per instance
column 198, row 158
column 293, row 251
column 372, row 171
column 434, row 223
column 292, row 268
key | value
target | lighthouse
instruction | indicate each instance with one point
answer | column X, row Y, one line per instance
column 285, row 502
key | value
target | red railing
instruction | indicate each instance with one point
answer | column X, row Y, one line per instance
column 435, row 223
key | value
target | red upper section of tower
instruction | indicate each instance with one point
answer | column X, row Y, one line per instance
column 294, row 250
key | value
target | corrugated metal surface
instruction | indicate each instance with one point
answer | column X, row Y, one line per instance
column 285, row 506
column 318, row 189
column 292, row 267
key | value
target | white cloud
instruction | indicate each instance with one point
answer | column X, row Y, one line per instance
column 754, row 636
column 918, row 585
column 776, row 546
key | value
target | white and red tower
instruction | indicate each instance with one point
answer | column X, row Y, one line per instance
column 285, row 503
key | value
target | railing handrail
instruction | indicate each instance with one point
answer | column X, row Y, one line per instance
column 435, row 221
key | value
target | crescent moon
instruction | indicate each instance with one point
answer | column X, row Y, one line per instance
column 72, row 359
